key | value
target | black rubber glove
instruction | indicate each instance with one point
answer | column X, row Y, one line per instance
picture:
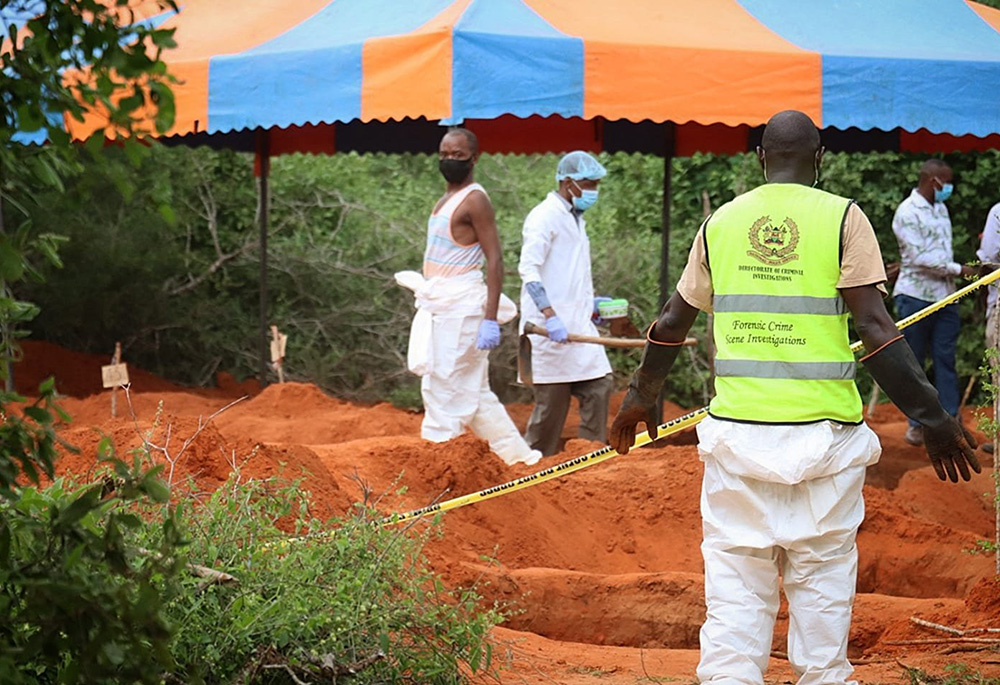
column 949, row 446
column 643, row 392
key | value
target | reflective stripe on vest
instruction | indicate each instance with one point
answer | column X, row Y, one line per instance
column 780, row 328
column 812, row 371
column 780, row 304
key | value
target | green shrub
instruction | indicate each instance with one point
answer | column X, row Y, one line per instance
column 80, row 602
column 955, row 674
column 315, row 599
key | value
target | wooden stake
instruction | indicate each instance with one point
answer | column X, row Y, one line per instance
column 116, row 360
column 968, row 392
column 278, row 341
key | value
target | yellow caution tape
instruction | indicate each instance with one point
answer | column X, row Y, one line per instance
column 664, row 430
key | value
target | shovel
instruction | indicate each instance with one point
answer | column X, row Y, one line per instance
column 524, row 347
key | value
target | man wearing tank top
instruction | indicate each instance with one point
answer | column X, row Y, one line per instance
column 459, row 313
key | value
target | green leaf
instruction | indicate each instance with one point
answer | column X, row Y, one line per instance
column 29, row 119
column 157, row 490
column 80, row 507
column 135, row 151
column 47, row 174
column 163, row 97
column 168, row 214
column 58, row 136
column 39, row 415
column 95, row 144
column 114, row 652
column 4, row 543
column 11, row 261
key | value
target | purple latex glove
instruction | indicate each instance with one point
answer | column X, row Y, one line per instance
column 489, row 335
column 557, row 329
column 596, row 316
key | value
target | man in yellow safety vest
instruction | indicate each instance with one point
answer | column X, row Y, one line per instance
column 784, row 446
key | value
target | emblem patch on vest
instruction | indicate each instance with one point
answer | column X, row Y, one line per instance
column 772, row 243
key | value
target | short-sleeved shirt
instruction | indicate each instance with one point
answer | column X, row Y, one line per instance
column 861, row 262
column 989, row 248
column 928, row 267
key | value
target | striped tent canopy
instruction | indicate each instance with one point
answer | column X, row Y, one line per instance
column 549, row 75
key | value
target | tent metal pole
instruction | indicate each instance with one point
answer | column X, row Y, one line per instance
column 264, row 167
column 668, row 159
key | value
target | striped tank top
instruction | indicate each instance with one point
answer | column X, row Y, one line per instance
column 443, row 256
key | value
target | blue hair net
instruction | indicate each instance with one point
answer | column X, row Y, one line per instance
column 579, row 165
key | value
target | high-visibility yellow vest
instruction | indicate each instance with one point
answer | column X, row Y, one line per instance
column 783, row 354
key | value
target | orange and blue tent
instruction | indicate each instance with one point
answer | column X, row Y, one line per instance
column 542, row 75
column 533, row 75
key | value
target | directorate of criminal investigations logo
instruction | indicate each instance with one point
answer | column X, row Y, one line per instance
column 773, row 243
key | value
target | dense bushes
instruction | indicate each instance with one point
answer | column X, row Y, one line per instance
column 318, row 599
column 172, row 270
column 105, row 582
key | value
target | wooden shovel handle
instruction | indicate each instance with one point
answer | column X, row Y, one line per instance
column 535, row 329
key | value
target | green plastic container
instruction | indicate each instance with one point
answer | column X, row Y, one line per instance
column 613, row 309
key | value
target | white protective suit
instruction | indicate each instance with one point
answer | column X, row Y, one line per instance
column 556, row 252
column 782, row 497
column 455, row 384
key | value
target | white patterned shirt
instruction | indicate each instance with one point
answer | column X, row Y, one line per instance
column 928, row 268
column 989, row 248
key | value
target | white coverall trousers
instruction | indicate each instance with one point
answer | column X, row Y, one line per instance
column 457, row 392
column 454, row 383
column 753, row 529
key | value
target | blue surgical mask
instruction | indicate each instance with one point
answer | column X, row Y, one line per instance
column 586, row 200
column 943, row 193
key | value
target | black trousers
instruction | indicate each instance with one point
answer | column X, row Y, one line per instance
column 552, row 405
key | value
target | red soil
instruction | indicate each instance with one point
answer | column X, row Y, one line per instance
column 603, row 566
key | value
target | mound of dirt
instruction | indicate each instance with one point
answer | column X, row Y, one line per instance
column 195, row 455
column 77, row 374
column 596, row 565
column 302, row 413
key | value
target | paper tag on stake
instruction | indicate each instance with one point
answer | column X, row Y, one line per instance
column 278, row 347
column 114, row 375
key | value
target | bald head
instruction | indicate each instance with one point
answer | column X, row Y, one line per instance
column 790, row 148
column 471, row 141
column 790, row 133
column 934, row 168
column 935, row 175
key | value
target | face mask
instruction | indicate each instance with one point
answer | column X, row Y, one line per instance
column 455, row 170
column 943, row 193
column 586, row 200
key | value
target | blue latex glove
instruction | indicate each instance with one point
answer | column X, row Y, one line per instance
column 596, row 316
column 557, row 329
column 489, row 335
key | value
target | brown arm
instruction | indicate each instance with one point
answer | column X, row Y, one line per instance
column 871, row 319
column 894, row 367
column 483, row 221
